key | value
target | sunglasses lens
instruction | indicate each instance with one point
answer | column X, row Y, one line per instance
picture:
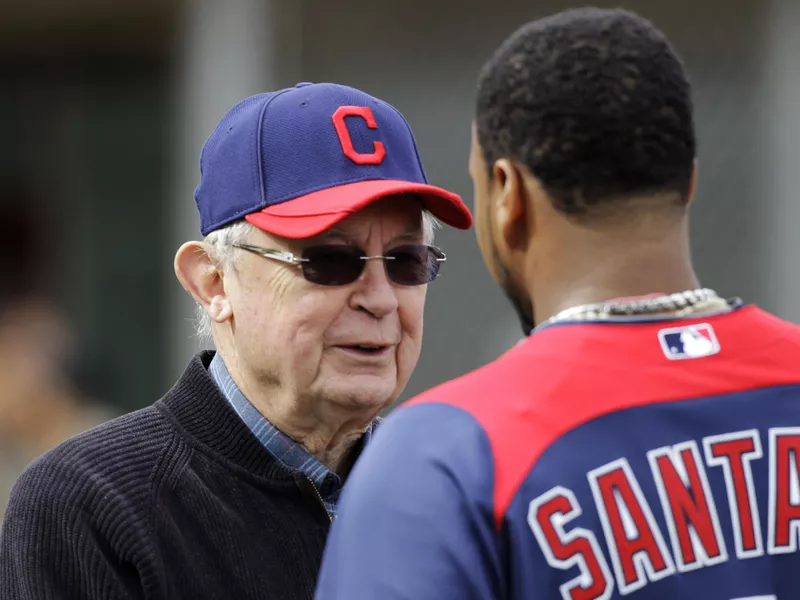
column 413, row 264
column 332, row 265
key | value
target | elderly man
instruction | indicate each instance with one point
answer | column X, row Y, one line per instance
column 313, row 273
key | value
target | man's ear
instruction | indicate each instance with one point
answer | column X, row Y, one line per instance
column 202, row 279
column 510, row 208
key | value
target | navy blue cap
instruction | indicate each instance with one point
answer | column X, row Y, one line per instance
column 297, row 161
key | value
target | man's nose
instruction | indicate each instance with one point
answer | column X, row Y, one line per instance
column 374, row 292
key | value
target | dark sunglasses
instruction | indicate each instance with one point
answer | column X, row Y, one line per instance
column 340, row 264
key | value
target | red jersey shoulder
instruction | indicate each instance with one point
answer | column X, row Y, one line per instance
column 569, row 374
column 560, row 358
column 491, row 380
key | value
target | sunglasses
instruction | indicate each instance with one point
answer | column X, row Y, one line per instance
column 340, row 264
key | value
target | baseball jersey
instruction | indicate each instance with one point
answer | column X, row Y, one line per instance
column 655, row 460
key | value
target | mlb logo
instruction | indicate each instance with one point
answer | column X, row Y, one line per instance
column 690, row 341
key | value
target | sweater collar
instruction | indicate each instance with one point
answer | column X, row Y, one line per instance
column 198, row 407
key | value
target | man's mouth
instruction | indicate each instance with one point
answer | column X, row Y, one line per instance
column 365, row 349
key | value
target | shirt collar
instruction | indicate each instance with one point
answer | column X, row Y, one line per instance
column 283, row 448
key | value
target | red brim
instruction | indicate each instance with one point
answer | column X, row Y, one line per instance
column 313, row 213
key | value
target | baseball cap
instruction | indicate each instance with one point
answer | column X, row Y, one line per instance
column 297, row 161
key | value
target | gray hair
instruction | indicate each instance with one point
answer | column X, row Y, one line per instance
column 219, row 246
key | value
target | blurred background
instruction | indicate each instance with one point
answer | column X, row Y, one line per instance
column 104, row 107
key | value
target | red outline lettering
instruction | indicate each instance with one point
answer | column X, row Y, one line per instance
column 784, row 514
column 734, row 452
column 564, row 550
column 688, row 504
column 638, row 550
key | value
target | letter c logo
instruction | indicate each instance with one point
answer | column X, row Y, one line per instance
column 365, row 112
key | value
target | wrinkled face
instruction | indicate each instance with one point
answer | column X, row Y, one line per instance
column 489, row 240
column 353, row 345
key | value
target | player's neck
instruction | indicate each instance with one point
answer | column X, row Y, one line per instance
column 614, row 271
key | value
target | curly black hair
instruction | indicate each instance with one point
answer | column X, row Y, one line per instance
column 596, row 104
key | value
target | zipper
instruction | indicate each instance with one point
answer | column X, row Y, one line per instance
column 316, row 491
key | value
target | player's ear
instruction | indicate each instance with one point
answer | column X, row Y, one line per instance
column 511, row 204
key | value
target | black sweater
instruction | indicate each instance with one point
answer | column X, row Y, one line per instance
column 178, row 500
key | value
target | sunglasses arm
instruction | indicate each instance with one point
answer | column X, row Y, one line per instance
column 279, row 255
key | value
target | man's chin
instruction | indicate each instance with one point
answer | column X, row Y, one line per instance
column 525, row 321
column 522, row 305
column 364, row 392
column 522, row 308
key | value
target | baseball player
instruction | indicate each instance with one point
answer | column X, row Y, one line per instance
column 644, row 440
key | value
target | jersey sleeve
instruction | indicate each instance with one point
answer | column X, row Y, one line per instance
column 416, row 518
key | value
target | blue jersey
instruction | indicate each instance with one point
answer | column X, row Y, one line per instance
column 656, row 460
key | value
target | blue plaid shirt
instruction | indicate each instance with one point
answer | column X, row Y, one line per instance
column 277, row 443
